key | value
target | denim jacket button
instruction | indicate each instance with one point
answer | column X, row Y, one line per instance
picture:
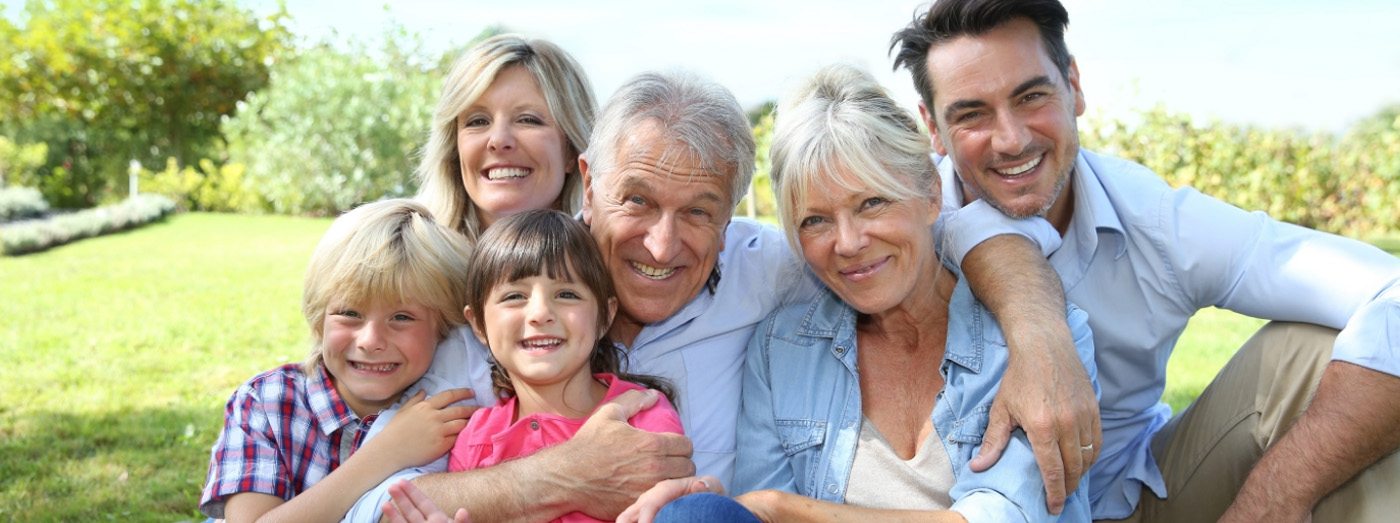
column 831, row 488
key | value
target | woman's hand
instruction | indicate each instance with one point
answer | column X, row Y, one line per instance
column 666, row 491
column 763, row 503
column 424, row 428
column 407, row 504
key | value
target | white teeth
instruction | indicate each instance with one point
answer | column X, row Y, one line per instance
column 655, row 273
column 507, row 172
column 384, row 367
column 540, row 343
column 1022, row 168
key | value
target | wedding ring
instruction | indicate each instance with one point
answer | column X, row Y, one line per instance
column 1087, row 448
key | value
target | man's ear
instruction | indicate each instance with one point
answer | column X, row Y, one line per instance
column 476, row 329
column 1074, row 86
column 931, row 121
column 587, row 180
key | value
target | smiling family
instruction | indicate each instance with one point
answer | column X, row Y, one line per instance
column 968, row 324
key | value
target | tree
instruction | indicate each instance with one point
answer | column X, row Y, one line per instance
column 104, row 82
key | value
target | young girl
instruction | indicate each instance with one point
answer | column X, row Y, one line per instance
column 382, row 289
column 539, row 296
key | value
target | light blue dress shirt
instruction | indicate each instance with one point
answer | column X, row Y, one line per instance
column 802, row 416
column 699, row 349
column 1142, row 258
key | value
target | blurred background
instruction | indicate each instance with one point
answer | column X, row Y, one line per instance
column 233, row 129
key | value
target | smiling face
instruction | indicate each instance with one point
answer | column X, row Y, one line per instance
column 868, row 249
column 659, row 221
column 1006, row 116
column 374, row 352
column 542, row 331
column 513, row 155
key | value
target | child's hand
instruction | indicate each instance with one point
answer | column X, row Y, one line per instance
column 424, row 428
column 407, row 504
column 651, row 501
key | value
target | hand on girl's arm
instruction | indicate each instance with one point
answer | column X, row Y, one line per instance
column 599, row 472
column 423, row 430
column 651, row 501
column 410, row 505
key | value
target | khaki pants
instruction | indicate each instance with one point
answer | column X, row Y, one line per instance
column 1206, row 452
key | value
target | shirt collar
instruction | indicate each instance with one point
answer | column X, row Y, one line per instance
column 332, row 413
column 1093, row 211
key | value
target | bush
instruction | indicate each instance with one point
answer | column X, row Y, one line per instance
column 218, row 188
column 20, row 163
column 336, row 127
column 1346, row 186
column 17, row 203
column 39, row 235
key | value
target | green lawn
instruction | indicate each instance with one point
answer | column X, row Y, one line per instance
column 119, row 352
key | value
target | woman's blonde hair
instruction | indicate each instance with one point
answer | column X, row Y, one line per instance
column 841, row 122
column 389, row 251
column 566, row 91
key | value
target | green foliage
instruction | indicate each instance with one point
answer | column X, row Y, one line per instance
column 17, row 203
column 20, row 163
column 103, row 82
column 34, row 236
column 211, row 187
column 1345, row 185
column 759, row 201
column 336, row 127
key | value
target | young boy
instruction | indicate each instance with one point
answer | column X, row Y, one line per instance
column 384, row 286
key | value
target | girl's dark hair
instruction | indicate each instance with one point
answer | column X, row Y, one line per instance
column 551, row 243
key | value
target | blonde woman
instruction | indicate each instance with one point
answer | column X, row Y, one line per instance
column 513, row 116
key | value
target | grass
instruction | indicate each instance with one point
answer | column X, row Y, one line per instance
column 117, row 354
column 120, row 351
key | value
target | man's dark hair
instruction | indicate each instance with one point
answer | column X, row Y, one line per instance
column 950, row 19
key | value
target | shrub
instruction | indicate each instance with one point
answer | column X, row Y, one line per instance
column 218, row 188
column 336, row 127
column 1345, row 185
column 39, row 235
column 20, row 163
column 17, row 203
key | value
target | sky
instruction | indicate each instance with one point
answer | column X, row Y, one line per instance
column 1307, row 64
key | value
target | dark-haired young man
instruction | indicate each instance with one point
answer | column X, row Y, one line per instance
column 1299, row 411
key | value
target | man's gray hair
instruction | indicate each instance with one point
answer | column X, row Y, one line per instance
column 691, row 111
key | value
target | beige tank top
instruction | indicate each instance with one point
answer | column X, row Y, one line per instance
column 880, row 479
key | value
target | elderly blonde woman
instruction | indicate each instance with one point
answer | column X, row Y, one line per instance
column 868, row 403
column 513, row 116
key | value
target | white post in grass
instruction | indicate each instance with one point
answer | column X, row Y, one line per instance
column 131, row 172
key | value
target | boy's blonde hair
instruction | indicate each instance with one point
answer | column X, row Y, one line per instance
column 390, row 251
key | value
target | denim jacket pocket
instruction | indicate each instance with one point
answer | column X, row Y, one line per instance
column 967, row 431
column 802, row 443
column 798, row 435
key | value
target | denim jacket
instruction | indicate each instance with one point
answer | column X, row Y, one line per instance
column 801, row 414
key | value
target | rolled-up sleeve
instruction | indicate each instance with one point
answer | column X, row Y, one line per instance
column 958, row 231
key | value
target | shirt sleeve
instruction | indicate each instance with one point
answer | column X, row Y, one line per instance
column 661, row 417
column 1252, row 264
column 369, row 507
column 1013, row 489
column 958, row 231
column 244, row 459
column 760, row 462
